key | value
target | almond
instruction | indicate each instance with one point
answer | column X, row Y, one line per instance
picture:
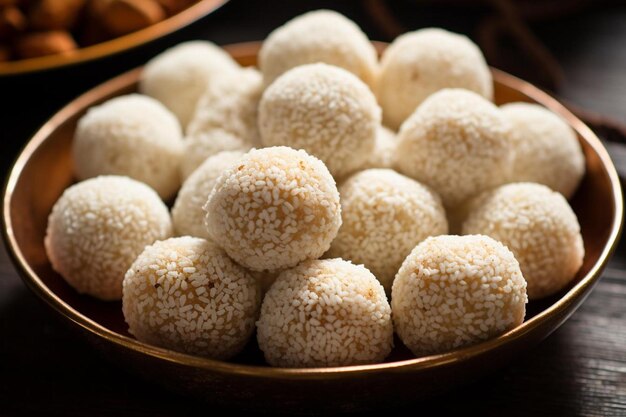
column 126, row 16
column 38, row 44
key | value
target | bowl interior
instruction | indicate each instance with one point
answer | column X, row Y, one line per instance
column 44, row 171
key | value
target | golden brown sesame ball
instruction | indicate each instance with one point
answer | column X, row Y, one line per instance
column 275, row 208
column 454, row 291
column 325, row 313
column 538, row 226
column 186, row 294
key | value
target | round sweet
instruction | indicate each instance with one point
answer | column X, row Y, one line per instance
column 324, row 110
column 131, row 135
column 457, row 143
column 384, row 150
column 230, row 105
column 179, row 76
column 187, row 295
column 187, row 213
column 546, row 148
column 98, row 227
column 538, row 226
column 325, row 313
column 200, row 147
column 385, row 215
column 454, row 291
column 319, row 36
column 275, row 208
column 419, row 63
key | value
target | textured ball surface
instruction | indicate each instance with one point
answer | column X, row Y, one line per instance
column 324, row 110
column 325, row 313
column 546, row 148
column 275, row 208
column 200, row 147
column 417, row 64
column 131, row 135
column 385, row 215
column 179, row 76
column 538, row 226
column 186, row 294
column 457, row 143
column 230, row 105
column 383, row 155
column 454, row 291
column 98, row 227
column 187, row 212
column 318, row 36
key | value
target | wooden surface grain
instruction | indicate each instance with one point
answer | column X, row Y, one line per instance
column 46, row 369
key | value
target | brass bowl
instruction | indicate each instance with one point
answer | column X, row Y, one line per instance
column 116, row 45
column 44, row 170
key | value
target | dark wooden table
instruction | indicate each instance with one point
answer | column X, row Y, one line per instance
column 45, row 369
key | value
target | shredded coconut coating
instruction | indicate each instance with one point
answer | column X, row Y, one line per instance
column 325, row 313
column 200, row 147
column 385, row 215
column 187, row 295
column 319, row 36
column 230, row 105
column 417, row 64
column 187, row 213
column 179, row 76
column 547, row 150
column 131, row 135
column 98, row 227
column 454, row 291
column 275, row 208
column 539, row 227
column 457, row 143
column 324, row 110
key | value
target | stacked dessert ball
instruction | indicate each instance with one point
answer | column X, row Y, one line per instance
column 261, row 236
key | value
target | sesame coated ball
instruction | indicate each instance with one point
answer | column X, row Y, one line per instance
column 187, row 295
column 324, row 110
column 454, row 291
column 457, row 143
column 179, row 76
column 325, row 313
column 384, row 150
column 187, row 213
column 200, row 147
column 417, row 64
column 98, row 227
column 131, row 135
column 275, row 208
column 385, row 215
column 546, row 148
column 230, row 105
column 538, row 226
column 319, row 36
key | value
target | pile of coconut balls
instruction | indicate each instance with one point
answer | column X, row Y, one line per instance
column 322, row 201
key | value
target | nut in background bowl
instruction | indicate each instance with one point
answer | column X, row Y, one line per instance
column 113, row 46
column 44, row 169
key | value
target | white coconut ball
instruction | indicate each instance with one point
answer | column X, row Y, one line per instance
column 324, row 110
column 457, row 143
column 179, row 76
column 131, row 135
column 325, row 313
column 186, row 294
column 385, row 215
column 98, row 227
column 187, row 212
column 319, row 36
column 274, row 209
column 454, row 291
column 417, row 64
column 538, row 226
column 547, row 150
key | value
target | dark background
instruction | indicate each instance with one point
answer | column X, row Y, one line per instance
column 46, row 369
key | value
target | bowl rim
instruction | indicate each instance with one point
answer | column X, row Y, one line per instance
column 114, row 46
column 573, row 296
